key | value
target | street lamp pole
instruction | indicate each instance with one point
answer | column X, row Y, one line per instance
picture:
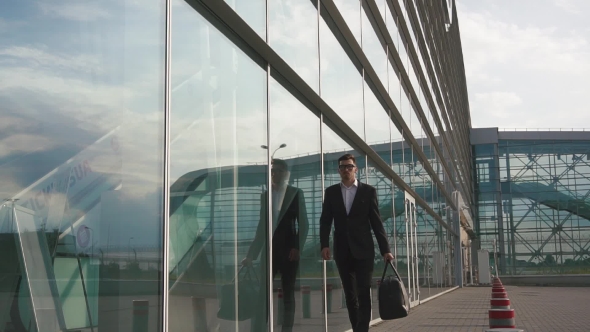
column 91, row 242
column 470, row 263
column 129, row 249
column 277, row 149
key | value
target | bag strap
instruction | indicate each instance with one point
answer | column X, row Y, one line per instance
column 389, row 263
column 404, row 291
column 249, row 271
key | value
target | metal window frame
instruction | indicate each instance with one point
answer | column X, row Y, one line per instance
column 166, row 170
column 348, row 42
column 235, row 28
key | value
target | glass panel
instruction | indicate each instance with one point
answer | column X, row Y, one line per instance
column 374, row 50
column 399, row 233
column 297, row 201
column 338, row 319
column 252, row 12
column 382, row 5
column 218, row 175
column 81, row 161
column 391, row 23
column 351, row 12
column 378, row 125
column 395, row 92
column 341, row 82
column 293, row 34
column 383, row 186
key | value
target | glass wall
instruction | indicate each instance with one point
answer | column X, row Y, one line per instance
column 532, row 199
column 213, row 127
column 81, row 164
column 545, row 186
column 217, row 203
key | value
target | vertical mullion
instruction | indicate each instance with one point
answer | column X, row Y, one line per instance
column 322, row 169
column 269, row 186
column 166, row 184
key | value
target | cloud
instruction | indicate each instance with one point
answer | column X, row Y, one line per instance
column 521, row 72
column 35, row 57
column 13, row 124
column 75, row 11
column 24, row 143
column 498, row 104
column 568, row 6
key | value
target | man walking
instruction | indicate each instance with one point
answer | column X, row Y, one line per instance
column 353, row 208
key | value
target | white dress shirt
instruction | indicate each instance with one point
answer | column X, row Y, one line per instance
column 278, row 195
column 348, row 194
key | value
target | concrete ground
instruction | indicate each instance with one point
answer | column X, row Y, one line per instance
column 536, row 308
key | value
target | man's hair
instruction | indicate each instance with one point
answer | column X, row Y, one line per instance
column 281, row 163
column 347, row 156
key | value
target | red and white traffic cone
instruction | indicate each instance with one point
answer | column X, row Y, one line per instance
column 499, row 295
column 498, row 289
column 502, row 319
column 500, row 304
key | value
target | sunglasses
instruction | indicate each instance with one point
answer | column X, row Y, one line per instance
column 348, row 167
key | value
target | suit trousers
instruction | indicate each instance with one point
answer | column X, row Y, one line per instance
column 356, row 275
column 288, row 270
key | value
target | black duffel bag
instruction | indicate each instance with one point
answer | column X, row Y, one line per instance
column 248, row 288
column 393, row 298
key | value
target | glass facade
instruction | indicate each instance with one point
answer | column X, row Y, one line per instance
column 532, row 194
column 163, row 163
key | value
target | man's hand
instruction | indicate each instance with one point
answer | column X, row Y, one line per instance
column 294, row 255
column 388, row 257
column 247, row 261
column 326, row 254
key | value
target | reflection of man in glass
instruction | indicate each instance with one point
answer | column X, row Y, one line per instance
column 289, row 224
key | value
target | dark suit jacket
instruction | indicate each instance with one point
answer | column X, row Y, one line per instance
column 352, row 232
column 292, row 227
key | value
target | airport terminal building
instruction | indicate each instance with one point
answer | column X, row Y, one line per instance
column 135, row 162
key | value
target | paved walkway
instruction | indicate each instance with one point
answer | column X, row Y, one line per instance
column 537, row 309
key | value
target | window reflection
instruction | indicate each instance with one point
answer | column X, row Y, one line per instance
column 373, row 49
column 293, row 34
column 351, row 12
column 341, row 82
column 218, row 175
column 338, row 319
column 253, row 12
column 386, row 201
column 81, row 158
column 296, row 197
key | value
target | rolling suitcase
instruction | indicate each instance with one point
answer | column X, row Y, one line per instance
column 393, row 298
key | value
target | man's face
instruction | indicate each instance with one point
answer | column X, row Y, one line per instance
column 347, row 170
column 278, row 174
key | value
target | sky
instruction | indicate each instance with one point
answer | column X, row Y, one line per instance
column 527, row 62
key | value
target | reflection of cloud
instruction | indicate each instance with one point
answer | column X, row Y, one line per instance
column 35, row 58
column 13, row 124
column 8, row 188
column 75, row 98
column 74, row 10
column 24, row 143
column 3, row 25
column 293, row 35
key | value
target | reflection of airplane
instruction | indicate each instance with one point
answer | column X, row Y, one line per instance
column 40, row 267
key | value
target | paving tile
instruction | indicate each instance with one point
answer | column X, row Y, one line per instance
column 537, row 309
